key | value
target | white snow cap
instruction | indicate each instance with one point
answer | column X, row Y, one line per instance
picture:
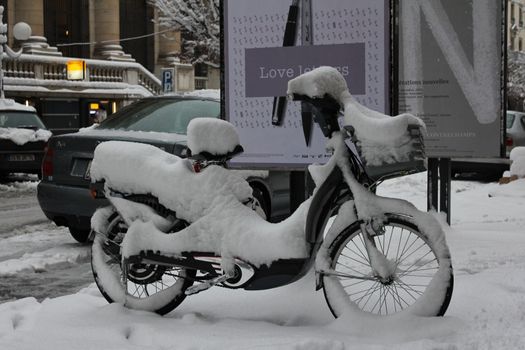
column 10, row 105
column 517, row 152
column 23, row 136
column 212, row 135
column 318, row 82
column 381, row 138
column 208, row 93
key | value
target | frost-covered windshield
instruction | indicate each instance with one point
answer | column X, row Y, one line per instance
column 15, row 119
column 162, row 115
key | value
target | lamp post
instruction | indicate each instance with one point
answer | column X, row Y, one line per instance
column 21, row 31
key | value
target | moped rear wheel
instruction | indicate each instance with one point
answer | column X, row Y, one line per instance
column 150, row 287
column 421, row 284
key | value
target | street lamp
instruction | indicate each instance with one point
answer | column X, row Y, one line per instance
column 21, row 31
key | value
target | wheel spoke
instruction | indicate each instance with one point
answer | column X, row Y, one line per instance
column 365, row 290
column 389, row 243
column 408, row 289
column 399, row 297
column 405, row 248
column 398, row 243
column 365, row 254
column 357, row 261
column 378, row 285
column 355, row 253
column 408, row 272
column 423, row 244
column 418, row 260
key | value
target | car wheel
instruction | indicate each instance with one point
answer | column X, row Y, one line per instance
column 81, row 235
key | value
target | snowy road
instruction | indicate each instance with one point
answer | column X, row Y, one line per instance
column 18, row 204
column 37, row 258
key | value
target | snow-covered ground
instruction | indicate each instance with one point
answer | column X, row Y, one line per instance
column 487, row 240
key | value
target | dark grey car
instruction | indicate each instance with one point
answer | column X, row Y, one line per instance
column 23, row 137
column 64, row 194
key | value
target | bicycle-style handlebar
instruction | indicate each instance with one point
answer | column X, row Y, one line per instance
column 326, row 111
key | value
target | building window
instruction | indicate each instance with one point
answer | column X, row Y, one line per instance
column 512, row 18
column 201, row 70
column 520, row 44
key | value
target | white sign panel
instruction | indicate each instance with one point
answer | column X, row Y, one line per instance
column 353, row 36
column 451, row 73
column 168, row 75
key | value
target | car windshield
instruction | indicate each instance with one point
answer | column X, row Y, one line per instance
column 161, row 115
column 16, row 119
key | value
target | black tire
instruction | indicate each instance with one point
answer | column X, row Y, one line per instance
column 80, row 235
column 423, row 272
column 145, row 281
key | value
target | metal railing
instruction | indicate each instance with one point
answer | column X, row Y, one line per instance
column 34, row 70
column 201, row 83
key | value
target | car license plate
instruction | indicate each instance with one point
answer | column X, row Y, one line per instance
column 21, row 157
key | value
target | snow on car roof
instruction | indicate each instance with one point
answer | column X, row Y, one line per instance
column 7, row 104
column 206, row 93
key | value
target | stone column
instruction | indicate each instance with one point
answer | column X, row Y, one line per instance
column 169, row 47
column 107, row 31
column 32, row 12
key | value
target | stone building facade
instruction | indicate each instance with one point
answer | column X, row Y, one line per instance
column 516, row 25
column 124, row 50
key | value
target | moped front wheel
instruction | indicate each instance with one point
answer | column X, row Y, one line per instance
column 149, row 287
column 421, row 281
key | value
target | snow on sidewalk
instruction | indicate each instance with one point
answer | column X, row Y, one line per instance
column 487, row 241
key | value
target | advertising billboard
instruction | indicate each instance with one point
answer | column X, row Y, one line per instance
column 267, row 43
column 451, row 73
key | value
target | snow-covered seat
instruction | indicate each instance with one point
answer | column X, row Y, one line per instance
column 212, row 139
column 388, row 146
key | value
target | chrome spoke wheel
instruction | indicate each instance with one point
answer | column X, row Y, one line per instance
column 414, row 263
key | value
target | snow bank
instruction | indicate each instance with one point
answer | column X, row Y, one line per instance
column 20, row 186
column 23, row 136
column 381, row 138
column 512, row 183
column 517, row 156
column 486, row 312
column 43, row 260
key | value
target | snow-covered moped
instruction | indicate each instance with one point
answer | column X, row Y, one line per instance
column 177, row 227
